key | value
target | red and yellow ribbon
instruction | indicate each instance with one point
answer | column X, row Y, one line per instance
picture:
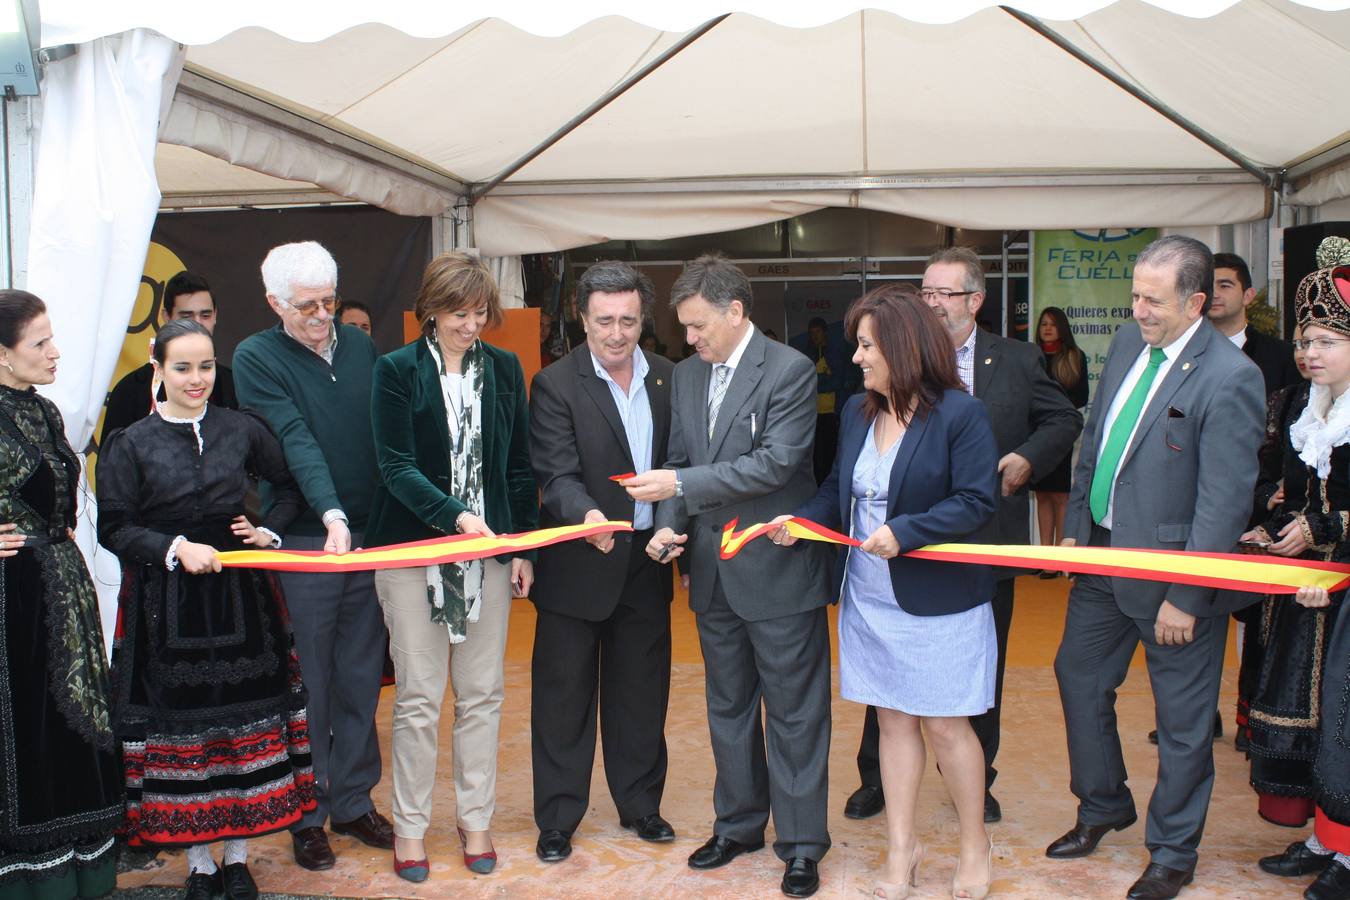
column 431, row 552
column 1231, row 571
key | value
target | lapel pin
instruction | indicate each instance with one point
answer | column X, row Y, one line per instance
column 988, row 360
column 1185, row 366
column 659, row 382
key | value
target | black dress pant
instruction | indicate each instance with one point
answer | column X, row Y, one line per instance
column 619, row 666
column 987, row 726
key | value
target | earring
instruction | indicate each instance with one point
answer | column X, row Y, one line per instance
column 8, row 366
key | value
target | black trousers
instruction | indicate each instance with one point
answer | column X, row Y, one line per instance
column 987, row 726
column 620, row 667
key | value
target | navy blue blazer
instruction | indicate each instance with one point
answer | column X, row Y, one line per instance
column 943, row 489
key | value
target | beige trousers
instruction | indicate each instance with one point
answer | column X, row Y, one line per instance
column 423, row 656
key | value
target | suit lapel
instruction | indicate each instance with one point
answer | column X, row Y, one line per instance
column 909, row 443
column 430, row 382
column 1182, row 368
column 850, row 449
column 597, row 389
column 986, row 359
column 658, row 398
column 489, row 404
column 743, row 382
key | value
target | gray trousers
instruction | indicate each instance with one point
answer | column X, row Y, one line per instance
column 782, row 765
column 339, row 637
column 1093, row 660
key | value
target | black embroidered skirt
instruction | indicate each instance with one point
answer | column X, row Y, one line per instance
column 209, row 707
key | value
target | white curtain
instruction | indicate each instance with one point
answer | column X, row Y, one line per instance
column 94, row 203
column 509, row 274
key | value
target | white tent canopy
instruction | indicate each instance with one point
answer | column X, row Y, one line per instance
column 957, row 112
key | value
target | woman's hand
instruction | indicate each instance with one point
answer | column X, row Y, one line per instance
column 468, row 523
column 197, row 559
column 10, row 540
column 1291, row 542
column 244, row 530
column 780, row 534
column 881, row 543
column 1313, row 597
column 1276, row 498
column 522, row 577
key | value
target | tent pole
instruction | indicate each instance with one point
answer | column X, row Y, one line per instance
column 1271, row 179
column 477, row 192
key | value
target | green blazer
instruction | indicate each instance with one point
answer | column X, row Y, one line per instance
column 412, row 448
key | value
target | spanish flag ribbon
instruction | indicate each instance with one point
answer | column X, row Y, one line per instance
column 457, row 548
column 1231, row 571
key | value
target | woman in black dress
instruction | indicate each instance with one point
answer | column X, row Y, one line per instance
column 1068, row 367
column 207, row 698
column 60, row 784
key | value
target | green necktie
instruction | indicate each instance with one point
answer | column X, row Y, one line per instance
column 1105, row 474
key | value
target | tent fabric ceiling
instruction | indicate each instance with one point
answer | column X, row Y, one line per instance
column 858, row 93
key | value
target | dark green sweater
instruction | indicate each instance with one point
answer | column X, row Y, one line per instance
column 321, row 415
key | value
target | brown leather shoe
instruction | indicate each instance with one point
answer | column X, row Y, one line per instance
column 1082, row 839
column 1160, row 883
column 311, row 849
column 372, row 829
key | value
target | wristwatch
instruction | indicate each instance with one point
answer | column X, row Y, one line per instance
column 679, row 486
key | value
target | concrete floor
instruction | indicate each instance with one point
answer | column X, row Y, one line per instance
column 609, row 862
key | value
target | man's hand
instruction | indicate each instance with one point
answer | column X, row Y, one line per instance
column 522, row 577
column 666, row 545
column 651, row 486
column 1291, row 542
column 1313, row 597
column 339, row 537
column 881, row 543
column 602, row 542
column 1068, row 542
column 1173, row 627
column 1015, row 471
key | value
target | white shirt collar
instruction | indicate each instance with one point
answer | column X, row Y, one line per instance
column 1173, row 350
column 969, row 345
column 640, row 368
column 734, row 359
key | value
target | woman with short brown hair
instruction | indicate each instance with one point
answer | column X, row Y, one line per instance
column 452, row 442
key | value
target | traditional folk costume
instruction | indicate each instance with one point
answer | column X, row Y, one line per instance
column 60, row 786
column 1308, row 661
column 209, row 705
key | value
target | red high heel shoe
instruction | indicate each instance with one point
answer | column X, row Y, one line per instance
column 478, row 863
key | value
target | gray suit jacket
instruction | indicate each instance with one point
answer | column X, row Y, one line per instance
column 757, row 466
column 1186, row 480
column 1031, row 416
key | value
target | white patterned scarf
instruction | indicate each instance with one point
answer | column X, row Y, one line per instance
column 1321, row 427
column 455, row 590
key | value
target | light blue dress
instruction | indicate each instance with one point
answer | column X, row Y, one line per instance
column 921, row 665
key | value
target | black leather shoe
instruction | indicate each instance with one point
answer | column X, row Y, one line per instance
column 1332, row 884
column 1296, row 859
column 864, row 803
column 238, row 882
column 800, row 878
column 372, row 829
column 553, row 846
column 1082, row 839
column 1159, row 883
column 719, row 851
column 652, row 828
column 311, row 849
column 202, row 887
column 993, row 812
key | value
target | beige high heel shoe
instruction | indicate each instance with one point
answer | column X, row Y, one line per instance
column 975, row 891
column 887, row 890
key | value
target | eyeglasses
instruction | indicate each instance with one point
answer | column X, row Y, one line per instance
column 1319, row 344
column 309, row 306
column 930, row 293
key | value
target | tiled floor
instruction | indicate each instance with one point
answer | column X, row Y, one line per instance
column 611, row 863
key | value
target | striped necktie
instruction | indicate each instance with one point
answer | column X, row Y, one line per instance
column 721, row 376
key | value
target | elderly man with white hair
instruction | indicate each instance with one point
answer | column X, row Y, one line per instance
column 310, row 378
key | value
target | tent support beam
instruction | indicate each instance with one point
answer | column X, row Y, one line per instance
column 1271, row 179
column 477, row 192
column 1332, row 156
column 935, row 181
